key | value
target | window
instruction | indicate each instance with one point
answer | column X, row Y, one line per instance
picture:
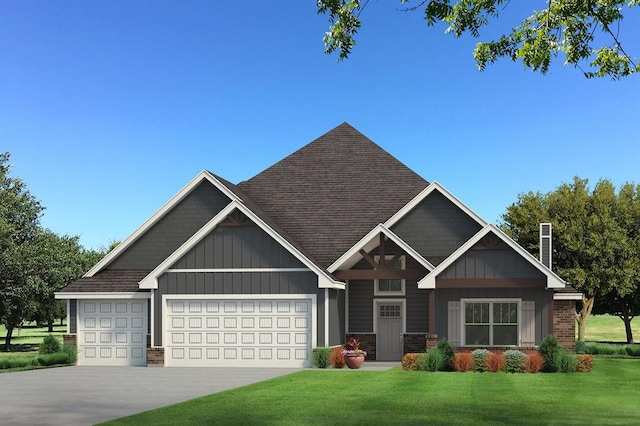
column 393, row 286
column 491, row 323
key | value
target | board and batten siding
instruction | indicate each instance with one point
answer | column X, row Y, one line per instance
column 336, row 317
column 224, row 283
column 448, row 298
column 417, row 308
column 173, row 229
column 504, row 263
column 436, row 227
column 237, row 247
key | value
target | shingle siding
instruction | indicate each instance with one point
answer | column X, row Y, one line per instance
column 172, row 230
column 436, row 227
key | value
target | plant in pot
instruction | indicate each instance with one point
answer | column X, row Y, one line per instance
column 353, row 355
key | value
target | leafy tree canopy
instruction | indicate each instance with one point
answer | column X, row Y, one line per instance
column 586, row 33
column 596, row 243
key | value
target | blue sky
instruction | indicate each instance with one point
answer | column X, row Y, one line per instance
column 109, row 107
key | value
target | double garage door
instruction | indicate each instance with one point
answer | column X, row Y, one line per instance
column 112, row 332
column 237, row 332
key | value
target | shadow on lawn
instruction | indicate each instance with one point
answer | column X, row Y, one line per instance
column 20, row 347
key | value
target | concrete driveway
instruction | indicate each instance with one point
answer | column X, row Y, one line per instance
column 88, row 395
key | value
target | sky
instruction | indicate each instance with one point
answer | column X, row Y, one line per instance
column 108, row 108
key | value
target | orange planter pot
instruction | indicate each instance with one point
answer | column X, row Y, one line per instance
column 354, row 361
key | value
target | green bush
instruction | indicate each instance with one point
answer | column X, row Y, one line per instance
column 595, row 348
column 435, row 360
column 71, row 351
column 321, row 357
column 633, row 350
column 49, row 345
column 480, row 359
column 550, row 350
column 58, row 358
column 566, row 363
column 581, row 348
column 448, row 352
column 22, row 362
column 515, row 361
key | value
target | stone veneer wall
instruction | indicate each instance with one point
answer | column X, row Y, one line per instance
column 564, row 319
column 367, row 343
column 155, row 356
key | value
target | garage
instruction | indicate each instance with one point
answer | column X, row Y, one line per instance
column 238, row 332
column 112, row 332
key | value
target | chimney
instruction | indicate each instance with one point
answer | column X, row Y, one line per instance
column 545, row 244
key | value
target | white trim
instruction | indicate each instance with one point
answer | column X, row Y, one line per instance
column 153, row 320
column 429, row 282
column 567, row 296
column 248, row 270
column 490, row 300
column 434, row 186
column 104, row 295
column 186, row 190
column 69, row 316
column 377, row 292
column 151, row 280
column 369, row 242
column 326, row 317
column 312, row 297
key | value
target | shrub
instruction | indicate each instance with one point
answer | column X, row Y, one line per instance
column 321, row 357
column 581, row 348
column 410, row 361
column 480, row 359
column 633, row 350
column 336, row 359
column 52, row 359
column 21, row 362
column 447, row 351
column 535, row 363
column 585, row 363
column 566, row 363
column 71, row 351
column 435, row 360
column 49, row 345
column 495, row 362
column 515, row 361
column 605, row 349
column 550, row 351
column 463, row 361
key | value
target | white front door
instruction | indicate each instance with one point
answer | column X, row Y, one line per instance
column 112, row 332
column 389, row 333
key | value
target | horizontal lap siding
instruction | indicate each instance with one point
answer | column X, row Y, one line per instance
column 537, row 295
column 360, row 306
column 170, row 232
column 436, row 227
column 241, row 283
column 417, row 308
column 336, row 317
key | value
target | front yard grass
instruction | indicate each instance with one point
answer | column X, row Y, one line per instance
column 608, row 395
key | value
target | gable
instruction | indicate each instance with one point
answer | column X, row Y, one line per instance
column 172, row 229
column 436, row 227
column 490, row 258
column 232, row 245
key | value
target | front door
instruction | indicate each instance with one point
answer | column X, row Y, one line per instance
column 389, row 336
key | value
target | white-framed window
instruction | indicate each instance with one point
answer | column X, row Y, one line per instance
column 491, row 322
column 390, row 286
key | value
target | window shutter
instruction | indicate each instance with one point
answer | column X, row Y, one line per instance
column 454, row 327
column 528, row 329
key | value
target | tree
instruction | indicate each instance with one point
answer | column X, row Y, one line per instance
column 19, row 223
column 585, row 32
column 624, row 307
column 593, row 247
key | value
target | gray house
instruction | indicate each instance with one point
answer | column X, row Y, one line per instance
column 338, row 239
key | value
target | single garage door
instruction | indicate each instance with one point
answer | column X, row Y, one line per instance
column 238, row 332
column 112, row 332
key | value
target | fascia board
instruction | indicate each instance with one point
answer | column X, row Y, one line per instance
column 151, row 282
column 103, row 295
column 429, row 282
column 434, row 186
column 353, row 251
column 567, row 296
column 113, row 254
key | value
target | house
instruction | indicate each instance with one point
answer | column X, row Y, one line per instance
column 338, row 239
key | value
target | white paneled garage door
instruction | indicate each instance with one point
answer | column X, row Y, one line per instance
column 112, row 332
column 238, row 332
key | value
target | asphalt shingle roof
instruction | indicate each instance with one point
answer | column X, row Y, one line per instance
column 112, row 280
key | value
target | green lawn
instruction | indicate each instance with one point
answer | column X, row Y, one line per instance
column 25, row 341
column 608, row 395
column 609, row 328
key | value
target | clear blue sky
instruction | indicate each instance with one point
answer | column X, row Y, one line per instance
column 109, row 107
